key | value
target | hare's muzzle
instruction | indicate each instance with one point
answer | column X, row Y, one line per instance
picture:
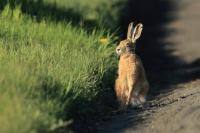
column 118, row 51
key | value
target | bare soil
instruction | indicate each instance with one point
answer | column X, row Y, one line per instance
column 174, row 112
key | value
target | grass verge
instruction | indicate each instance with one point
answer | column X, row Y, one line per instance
column 51, row 71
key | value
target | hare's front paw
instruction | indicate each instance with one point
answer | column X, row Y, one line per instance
column 142, row 99
column 137, row 101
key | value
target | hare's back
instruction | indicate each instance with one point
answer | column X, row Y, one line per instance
column 141, row 71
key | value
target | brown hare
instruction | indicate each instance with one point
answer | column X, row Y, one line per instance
column 131, row 86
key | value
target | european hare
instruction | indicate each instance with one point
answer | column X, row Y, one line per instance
column 131, row 85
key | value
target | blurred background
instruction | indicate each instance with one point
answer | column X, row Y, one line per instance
column 57, row 60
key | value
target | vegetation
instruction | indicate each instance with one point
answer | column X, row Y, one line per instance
column 56, row 63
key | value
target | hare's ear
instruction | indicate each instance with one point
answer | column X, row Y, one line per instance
column 137, row 32
column 130, row 31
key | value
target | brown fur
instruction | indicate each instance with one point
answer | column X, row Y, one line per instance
column 131, row 86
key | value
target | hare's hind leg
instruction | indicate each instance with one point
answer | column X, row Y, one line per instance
column 142, row 94
column 135, row 97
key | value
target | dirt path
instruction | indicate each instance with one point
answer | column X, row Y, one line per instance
column 179, row 111
column 174, row 105
column 174, row 112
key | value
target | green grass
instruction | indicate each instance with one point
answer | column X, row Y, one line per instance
column 51, row 70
